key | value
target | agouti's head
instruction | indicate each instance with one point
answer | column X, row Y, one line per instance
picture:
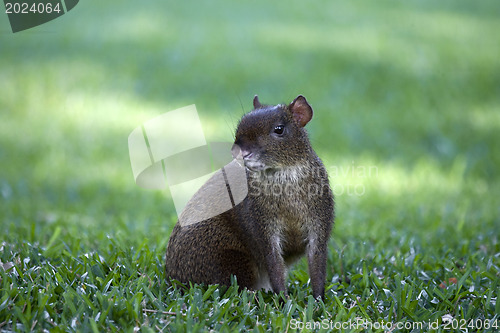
column 273, row 136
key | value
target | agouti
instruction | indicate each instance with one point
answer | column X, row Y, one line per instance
column 288, row 211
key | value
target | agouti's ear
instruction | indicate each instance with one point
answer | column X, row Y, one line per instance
column 301, row 110
column 256, row 102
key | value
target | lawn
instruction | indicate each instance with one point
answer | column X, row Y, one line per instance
column 406, row 98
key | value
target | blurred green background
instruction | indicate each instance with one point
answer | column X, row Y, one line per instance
column 409, row 90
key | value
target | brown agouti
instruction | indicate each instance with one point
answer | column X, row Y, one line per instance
column 288, row 211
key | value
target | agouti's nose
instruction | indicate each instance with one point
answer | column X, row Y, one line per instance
column 236, row 150
column 246, row 153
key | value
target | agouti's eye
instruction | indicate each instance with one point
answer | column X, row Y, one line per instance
column 279, row 129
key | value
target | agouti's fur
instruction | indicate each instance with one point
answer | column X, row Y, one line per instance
column 288, row 212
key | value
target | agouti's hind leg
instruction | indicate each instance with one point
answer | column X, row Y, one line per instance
column 233, row 262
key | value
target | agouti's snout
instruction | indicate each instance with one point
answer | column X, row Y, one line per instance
column 236, row 151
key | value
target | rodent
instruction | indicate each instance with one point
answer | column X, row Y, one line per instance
column 288, row 211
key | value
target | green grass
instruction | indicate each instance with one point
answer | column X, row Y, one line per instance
column 407, row 120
